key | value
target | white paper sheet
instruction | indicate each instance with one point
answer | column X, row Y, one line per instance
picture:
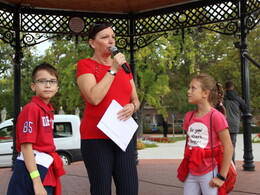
column 40, row 158
column 121, row 132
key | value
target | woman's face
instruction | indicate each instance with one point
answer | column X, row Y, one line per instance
column 103, row 41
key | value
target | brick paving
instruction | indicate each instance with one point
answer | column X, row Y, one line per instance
column 156, row 177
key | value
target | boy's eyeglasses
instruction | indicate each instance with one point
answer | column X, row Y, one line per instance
column 45, row 81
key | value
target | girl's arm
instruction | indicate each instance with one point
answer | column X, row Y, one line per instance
column 227, row 157
column 30, row 163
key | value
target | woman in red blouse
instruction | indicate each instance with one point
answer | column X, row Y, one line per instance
column 102, row 79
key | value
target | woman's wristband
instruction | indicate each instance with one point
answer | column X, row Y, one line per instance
column 34, row 174
column 134, row 106
column 221, row 177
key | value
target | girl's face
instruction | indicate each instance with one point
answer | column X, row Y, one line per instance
column 195, row 93
column 45, row 85
column 103, row 41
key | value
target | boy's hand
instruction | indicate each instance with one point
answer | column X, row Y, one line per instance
column 38, row 187
column 30, row 163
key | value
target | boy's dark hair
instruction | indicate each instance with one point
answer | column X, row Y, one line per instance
column 44, row 66
column 96, row 28
column 229, row 85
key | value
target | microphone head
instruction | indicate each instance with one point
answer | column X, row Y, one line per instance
column 113, row 49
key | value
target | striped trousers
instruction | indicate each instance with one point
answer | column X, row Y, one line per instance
column 104, row 160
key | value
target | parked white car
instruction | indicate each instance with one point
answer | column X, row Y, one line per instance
column 66, row 139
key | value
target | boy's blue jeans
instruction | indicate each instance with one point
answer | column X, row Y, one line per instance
column 49, row 189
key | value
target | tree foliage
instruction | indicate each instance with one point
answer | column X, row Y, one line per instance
column 64, row 55
column 163, row 70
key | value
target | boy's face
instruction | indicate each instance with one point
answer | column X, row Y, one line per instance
column 45, row 85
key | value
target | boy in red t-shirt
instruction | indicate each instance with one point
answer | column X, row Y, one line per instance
column 36, row 166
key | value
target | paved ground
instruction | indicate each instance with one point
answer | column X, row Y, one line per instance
column 157, row 173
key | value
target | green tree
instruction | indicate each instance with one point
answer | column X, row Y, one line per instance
column 6, row 55
column 152, row 78
column 64, row 55
column 28, row 63
column 6, row 84
column 254, row 72
column 163, row 69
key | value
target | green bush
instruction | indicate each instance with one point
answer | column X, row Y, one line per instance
column 254, row 129
column 177, row 130
column 148, row 130
column 145, row 143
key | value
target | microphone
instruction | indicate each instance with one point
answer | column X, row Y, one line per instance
column 114, row 50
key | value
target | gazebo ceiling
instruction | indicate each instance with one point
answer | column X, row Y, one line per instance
column 129, row 17
column 101, row 6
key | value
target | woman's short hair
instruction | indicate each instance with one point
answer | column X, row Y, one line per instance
column 96, row 27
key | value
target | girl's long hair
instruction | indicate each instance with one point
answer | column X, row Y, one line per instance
column 216, row 91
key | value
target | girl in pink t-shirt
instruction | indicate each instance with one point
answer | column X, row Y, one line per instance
column 207, row 130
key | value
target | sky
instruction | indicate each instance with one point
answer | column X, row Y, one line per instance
column 42, row 47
